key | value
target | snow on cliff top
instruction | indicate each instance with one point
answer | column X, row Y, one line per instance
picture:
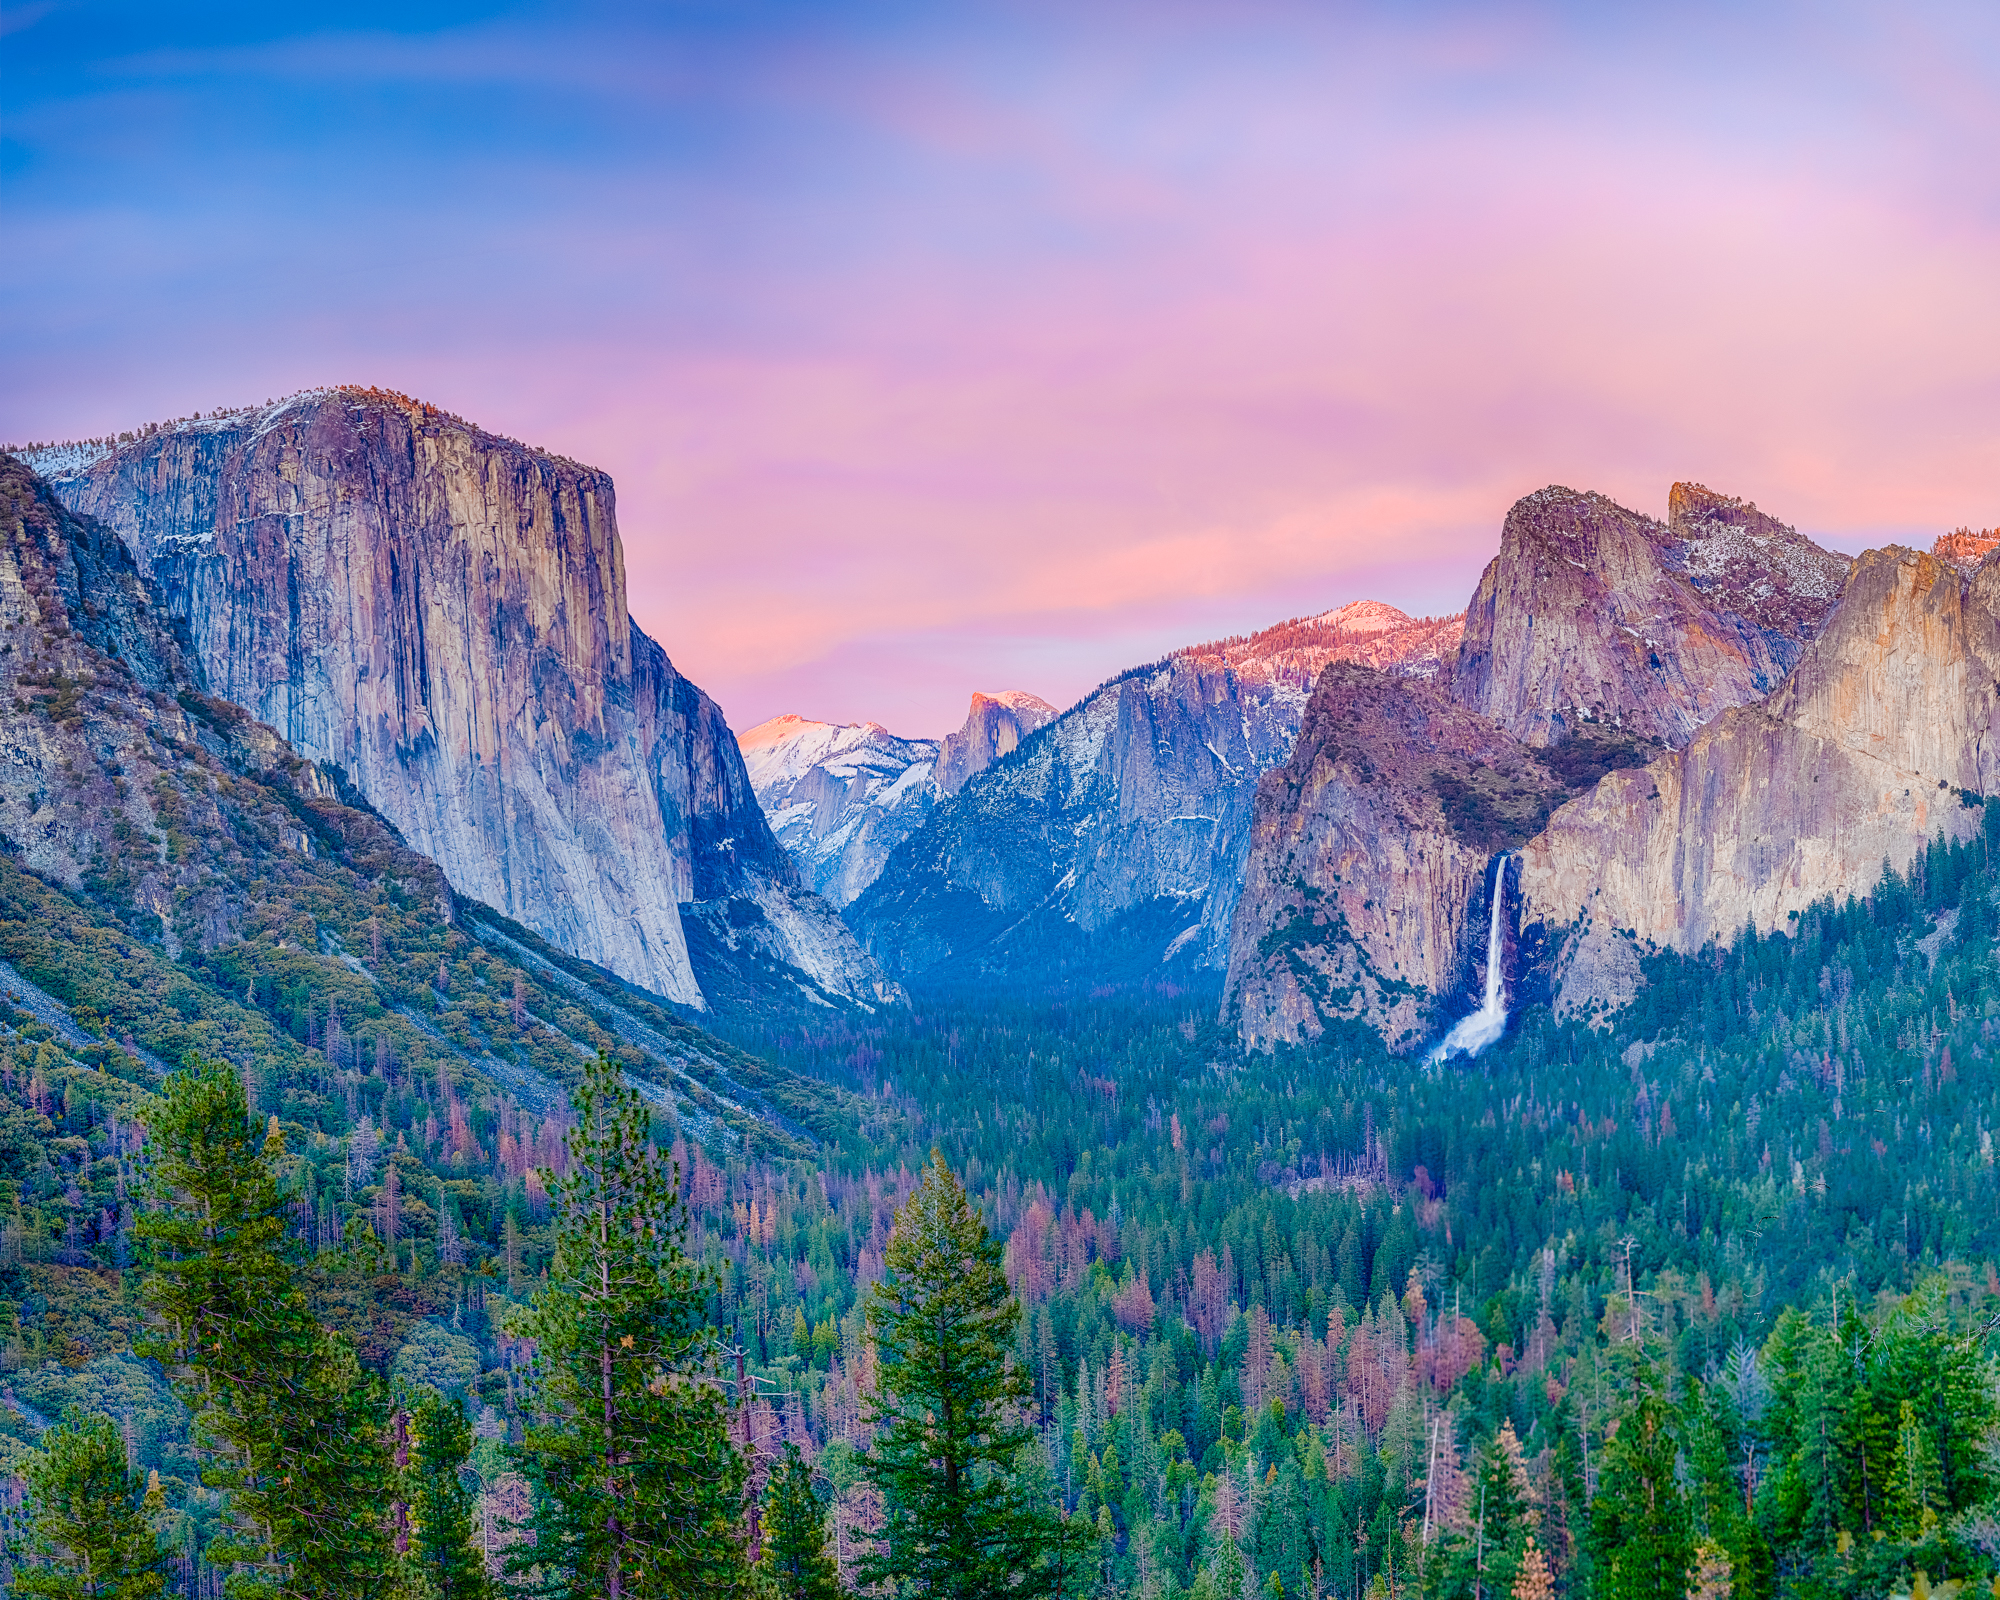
column 783, row 750
column 73, row 457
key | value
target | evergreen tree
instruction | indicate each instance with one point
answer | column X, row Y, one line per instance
column 1506, row 1511
column 441, row 1547
column 292, row 1426
column 1913, row 1478
column 1639, row 1537
column 637, row 1487
column 795, row 1563
column 948, row 1405
column 88, row 1535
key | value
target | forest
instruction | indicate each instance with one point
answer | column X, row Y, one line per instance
column 1696, row 1300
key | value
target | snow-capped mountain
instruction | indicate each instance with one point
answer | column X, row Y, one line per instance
column 841, row 795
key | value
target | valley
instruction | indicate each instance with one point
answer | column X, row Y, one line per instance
column 334, row 760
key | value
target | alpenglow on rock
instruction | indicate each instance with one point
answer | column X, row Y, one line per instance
column 1366, row 891
column 1862, row 756
column 995, row 725
column 1597, row 638
column 1591, row 612
column 441, row 614
column 1110, row 845
column 840, row 796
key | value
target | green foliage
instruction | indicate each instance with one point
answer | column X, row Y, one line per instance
column 795, row 1564
column 1640, row 1543
column 946, row 1400
column 636, row 1483
column 292, row 1425
column 90, row 1523
column 437, row 1358
column 440, row 1507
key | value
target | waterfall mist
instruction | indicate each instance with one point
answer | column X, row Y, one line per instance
column 1474, row 1033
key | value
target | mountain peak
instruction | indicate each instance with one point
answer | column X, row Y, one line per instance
column 1366, row 617
column 994, row 725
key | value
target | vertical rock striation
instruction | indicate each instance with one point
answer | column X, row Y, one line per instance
column 441, row 614
column 1593, row 613
column 1111, row 844
column 1860, row 757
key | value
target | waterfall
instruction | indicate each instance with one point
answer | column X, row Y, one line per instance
column 1474, row 1033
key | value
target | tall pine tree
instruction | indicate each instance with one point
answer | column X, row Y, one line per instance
column 88, row 1535
column 1640, row 1542
column 292, row 1427
column 795, row 1565
column 638, row 1490
column 948, row 1410
column 440, row 1505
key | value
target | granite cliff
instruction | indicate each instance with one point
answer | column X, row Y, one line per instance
column 841, row 796
column 1598, row 639
column 994, row 725
column 1886, row 728
column 1593, row 613
column 440, row 615
column 1111, row 844
column 176, row 877
column 1369, row 860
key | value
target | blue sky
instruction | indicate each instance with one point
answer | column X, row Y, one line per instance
column 941, row 349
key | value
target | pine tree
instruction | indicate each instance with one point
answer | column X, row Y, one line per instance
column 948, row 1408
column 1913, row 1478
column 1639, row 1538
column 1531, row 1578
column 795, row 1564
column 291, row 1425
column 637, row 1488
column 1507, row 1514
column 1713, row 1575
column 440, row 1505
column 88, row 1535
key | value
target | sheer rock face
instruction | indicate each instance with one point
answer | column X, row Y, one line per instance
column 442, row 614
column 1859, row 757
column 1591, row 612
column 1369, row 874
column 1111, row 844
column 839, row 796
column 994, row 726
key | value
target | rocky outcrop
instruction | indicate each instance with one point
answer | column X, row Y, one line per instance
column 1861, row 756
column 1594, row 613
column 994, row 726
column 839, row 796
column 1369, row 869
column 1965, row 548
column 1111, row 844
column 441, row 615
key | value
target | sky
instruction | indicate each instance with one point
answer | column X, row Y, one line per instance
column 948, row 348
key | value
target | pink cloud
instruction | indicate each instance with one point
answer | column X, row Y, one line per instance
column 1009, row 358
